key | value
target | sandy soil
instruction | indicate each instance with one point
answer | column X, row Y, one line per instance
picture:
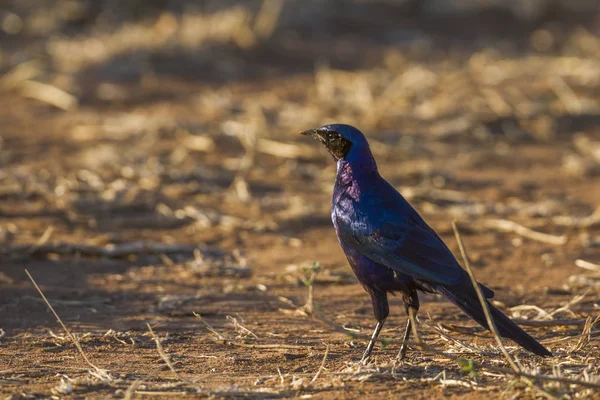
column 151, row 170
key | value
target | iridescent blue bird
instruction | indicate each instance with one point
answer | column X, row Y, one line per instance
column 391, row 248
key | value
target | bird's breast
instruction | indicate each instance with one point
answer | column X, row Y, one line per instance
column 343, row 207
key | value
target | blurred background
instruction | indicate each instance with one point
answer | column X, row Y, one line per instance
column 175, row 122
column 213, row 92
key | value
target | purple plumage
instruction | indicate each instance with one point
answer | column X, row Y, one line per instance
column 390, row 247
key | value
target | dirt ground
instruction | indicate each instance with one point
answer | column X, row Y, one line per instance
column 152, row 176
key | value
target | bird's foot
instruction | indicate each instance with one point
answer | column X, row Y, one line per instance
column 365, row 358
column 402, row 354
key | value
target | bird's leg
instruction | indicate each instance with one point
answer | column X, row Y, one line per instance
column 404, row 346
column 411, row 305
column 412, row 316
column 381, row 310
column 372, row 341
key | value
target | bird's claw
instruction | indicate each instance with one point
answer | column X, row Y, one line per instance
column 365, row 358
column 402, row 354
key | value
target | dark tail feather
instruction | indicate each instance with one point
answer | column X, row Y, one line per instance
column 467, row 300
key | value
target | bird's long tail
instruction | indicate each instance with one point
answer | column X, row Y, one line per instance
column 466, row 298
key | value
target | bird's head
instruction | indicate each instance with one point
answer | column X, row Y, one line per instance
column 342, row 141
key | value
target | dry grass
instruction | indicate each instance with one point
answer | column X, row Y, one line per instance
column 152, row 173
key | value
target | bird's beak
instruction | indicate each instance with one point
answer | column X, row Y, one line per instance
column 317, row 134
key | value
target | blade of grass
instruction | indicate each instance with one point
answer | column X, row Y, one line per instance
column 483, row 301
column 103, row 374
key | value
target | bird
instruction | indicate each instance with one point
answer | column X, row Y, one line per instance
column 390, row 247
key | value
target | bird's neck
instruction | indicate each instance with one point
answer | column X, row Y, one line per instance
column 355, row 171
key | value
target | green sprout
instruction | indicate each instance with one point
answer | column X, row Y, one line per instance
column 314, row 269
column 468, row 367
column 385, row 342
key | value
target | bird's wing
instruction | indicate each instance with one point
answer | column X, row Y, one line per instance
column 405, row 244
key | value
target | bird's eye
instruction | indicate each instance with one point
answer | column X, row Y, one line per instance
column 331, row 135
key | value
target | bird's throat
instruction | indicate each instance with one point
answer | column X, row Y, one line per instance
column 351, row 179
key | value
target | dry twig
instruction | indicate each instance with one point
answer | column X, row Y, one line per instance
column 505, row 225
column 49, row 94
column 165, row 357
column 109, row 251
column 586, row 335
column 483, row 301
column 43, row 239
column 313, row 380
column 209, row 326
column 579, row 222
column 226, row 341
column 285, row 150
column 101, row 373
column 238, row 326
column 264, row 346
column 587, row 265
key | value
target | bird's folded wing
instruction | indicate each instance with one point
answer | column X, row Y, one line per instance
column 407, row 247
